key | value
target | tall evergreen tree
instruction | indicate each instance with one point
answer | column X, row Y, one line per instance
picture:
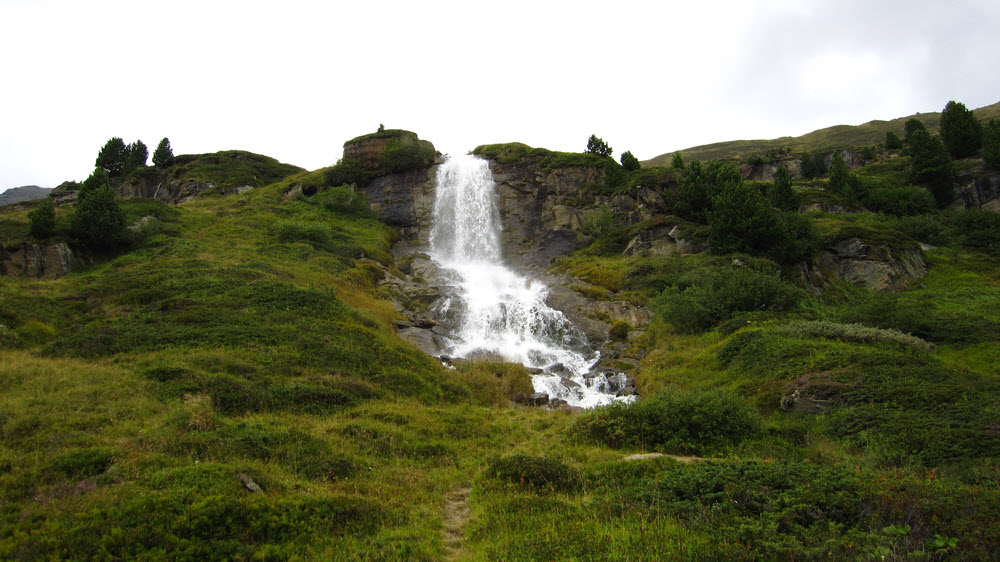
column 781, row 194
column 931, row 165
column 819, row 165
column 960, row 130
column 630, row 162
column 598, row 147
column 806, row 166
column 892, row 141
column 991, row 144
column 112, row 157
column 678, row 161
column 839, row 175
column 136, row 155
column 911, row 126
column 164, row 155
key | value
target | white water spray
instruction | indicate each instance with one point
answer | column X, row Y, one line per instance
column 494, row 311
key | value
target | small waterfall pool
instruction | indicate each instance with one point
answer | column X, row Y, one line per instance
column 494, row 311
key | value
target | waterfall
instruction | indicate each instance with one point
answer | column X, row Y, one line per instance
column 493, row 311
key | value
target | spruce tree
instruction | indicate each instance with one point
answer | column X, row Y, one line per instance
column 960, row 130
column 163, row 155
column 806, row 166
column 630, row 162
column 136, row 155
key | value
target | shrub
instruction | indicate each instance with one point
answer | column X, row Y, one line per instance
column 991, row 144
column 540, row 473
column 978, row 229
column 83, row 463
column 98, row 219
column 316, row 234
column 42, row 220
column 672, row 421
column 853, row 333
column 931, row 165
column 619, row 331
column 344, row 200
column 900, row 201
column 781, row 194
column 925, row 228
column 406, row 152
column 347, row 171
column 719, row 294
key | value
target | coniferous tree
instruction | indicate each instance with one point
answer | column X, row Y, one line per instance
column 931, row 165
column 98, row 178
column 911, row 126
column 806, row 166
column 960, row 130
column 98, row 219
column 630, row 162
column 892, row 141
column 678, row 161
column 42, row 220
column 598, row 147
column 112, row 157
column 839, row 175
column 819, row 165
column 781, row 194
column 991, row 144
column 136, row 155
column 163, row 155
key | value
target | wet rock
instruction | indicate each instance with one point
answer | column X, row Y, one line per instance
column 538, row 399
column 422, row 339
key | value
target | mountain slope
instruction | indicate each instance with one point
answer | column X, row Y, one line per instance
column 23, row 193
column 830, row 138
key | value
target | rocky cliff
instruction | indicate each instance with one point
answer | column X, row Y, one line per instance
column 37, row 260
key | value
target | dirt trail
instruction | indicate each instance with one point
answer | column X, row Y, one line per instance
column 456, row 515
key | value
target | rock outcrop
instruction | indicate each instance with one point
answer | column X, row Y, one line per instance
column 37, row 260
column 873, row 266
column 979, row 192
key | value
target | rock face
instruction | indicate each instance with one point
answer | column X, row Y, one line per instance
column 874, row 267
column 36, row 260
column 405, row 201
column 981, row 192
column 664, row 241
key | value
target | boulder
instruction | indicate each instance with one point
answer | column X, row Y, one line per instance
column 868, row 265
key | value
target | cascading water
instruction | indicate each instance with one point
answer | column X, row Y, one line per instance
column 494, row 311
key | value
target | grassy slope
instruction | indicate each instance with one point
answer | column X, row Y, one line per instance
column 830, row 138
column 246, row 335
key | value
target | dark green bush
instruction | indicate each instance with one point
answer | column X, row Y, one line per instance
column 900, row 201
column 926, row 228
column 719, row 294
column 347, row 171
column 406, row 152
column 83, row 463
column 978, row 229
column 619, row 331
column 344, row 200
column 42, row 220
column 672, row 421
column 540, row 473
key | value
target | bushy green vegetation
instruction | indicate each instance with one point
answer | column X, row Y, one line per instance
column 230, row 168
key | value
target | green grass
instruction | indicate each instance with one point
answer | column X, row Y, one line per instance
column 246, row 336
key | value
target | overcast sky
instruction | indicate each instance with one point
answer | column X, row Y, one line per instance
column 295, row 79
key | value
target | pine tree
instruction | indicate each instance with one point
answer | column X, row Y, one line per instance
column 678, row 161
column 892, row 141
column 112, row 157
column 598, row 147
column 98, row 219
column 806, row 166
column 781, row 194
column 991, row 144
column 931, row 165
column 97, row 179
column 960, row 130
column 42, row 220
column 911, row 126
column 136, row 155
column 630, row 162
column 839, row 175
column 164, row 155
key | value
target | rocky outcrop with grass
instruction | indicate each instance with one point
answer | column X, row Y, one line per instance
column 47, row 261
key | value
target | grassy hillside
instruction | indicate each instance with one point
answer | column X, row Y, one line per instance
column 824, row 140
column 243, row 342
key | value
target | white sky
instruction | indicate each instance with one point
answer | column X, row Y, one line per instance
column 295, row 79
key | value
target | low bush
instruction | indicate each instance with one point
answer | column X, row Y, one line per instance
column 852, row 333
column 900, row 201
column 672, row 421
column 344, row 200
column 719, row 294
column 539, row 473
